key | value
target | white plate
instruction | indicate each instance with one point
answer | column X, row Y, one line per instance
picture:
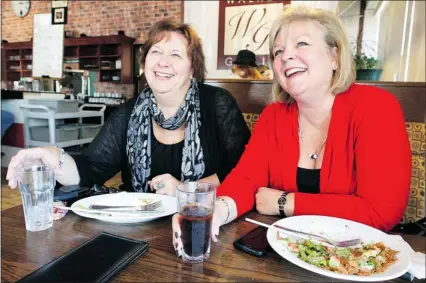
column 339, row 229
column 169, row 206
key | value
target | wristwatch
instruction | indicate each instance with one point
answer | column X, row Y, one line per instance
column 281, row 202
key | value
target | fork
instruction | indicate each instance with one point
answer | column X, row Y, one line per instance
column 144, row 207
column 308, row 236
column 340, row 244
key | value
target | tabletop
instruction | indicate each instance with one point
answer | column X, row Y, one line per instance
column 23, row 252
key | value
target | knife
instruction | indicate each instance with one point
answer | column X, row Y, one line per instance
column 110, row 213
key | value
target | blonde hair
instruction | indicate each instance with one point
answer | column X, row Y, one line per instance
column 247, row 72
column 335, row 36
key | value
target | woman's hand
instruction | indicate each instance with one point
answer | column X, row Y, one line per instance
column 42, row 155
column 219, row 218
column 267, row 201
column 164, row 184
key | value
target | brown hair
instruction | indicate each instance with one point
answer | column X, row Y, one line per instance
column 335, row 36
column 162, row 29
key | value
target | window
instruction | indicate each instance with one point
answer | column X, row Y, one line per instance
column 401, row 40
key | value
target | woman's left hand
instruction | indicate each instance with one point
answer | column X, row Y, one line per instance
column 267, row 201
column 164, row 184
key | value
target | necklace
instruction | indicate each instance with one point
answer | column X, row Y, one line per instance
column 311, row 155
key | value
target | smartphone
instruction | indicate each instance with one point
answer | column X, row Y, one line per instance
column 254, row 242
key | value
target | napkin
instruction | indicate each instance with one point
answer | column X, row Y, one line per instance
column 57, row 212
column 418, row 260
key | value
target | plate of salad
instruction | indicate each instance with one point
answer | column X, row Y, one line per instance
column 379, row 257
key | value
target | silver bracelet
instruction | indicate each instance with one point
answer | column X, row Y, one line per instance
column 61, row 157
column 227, row 205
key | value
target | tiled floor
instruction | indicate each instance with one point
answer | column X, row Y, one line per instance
column 11, row 198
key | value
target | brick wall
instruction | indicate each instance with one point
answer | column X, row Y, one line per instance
column 95, row 18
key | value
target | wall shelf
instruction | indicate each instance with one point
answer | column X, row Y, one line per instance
column 110, row 69
column 85, row 53
column 16, row 54
column 110, row 56
column 92, row 51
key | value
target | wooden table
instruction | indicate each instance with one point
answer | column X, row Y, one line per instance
column 24, row 252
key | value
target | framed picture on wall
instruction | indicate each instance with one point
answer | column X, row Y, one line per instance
column 59, row 16
column 245, row 25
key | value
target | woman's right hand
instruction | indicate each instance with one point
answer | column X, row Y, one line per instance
column 44, row 155
column 219, row 218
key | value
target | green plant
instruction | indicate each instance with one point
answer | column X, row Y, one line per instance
column 366, row 62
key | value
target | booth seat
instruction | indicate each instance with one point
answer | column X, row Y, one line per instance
column 253, row 96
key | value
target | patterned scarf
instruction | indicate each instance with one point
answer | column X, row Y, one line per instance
column 139, row 136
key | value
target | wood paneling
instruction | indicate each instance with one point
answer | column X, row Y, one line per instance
column 411, row 96
column 253, row 96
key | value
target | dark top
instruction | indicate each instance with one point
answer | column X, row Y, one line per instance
column 308, row 180
column 167, row 158
column 223, row 134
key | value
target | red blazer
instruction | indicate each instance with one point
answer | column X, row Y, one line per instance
column 366, row 170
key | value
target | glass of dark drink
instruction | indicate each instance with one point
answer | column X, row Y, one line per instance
column 196, row 206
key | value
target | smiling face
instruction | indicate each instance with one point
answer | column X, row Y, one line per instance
column 167, row 66
column 303, row 62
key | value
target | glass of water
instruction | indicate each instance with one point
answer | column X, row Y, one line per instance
column 36, row 184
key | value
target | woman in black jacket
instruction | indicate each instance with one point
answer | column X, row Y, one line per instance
column 178, row 129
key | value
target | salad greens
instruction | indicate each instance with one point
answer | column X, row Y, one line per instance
column 361, row 260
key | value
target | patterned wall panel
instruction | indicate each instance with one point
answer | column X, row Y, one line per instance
column 251, row 119
column 417, row 134
column 416, row 203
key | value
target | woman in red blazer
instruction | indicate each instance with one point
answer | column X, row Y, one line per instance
column 326, row 146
